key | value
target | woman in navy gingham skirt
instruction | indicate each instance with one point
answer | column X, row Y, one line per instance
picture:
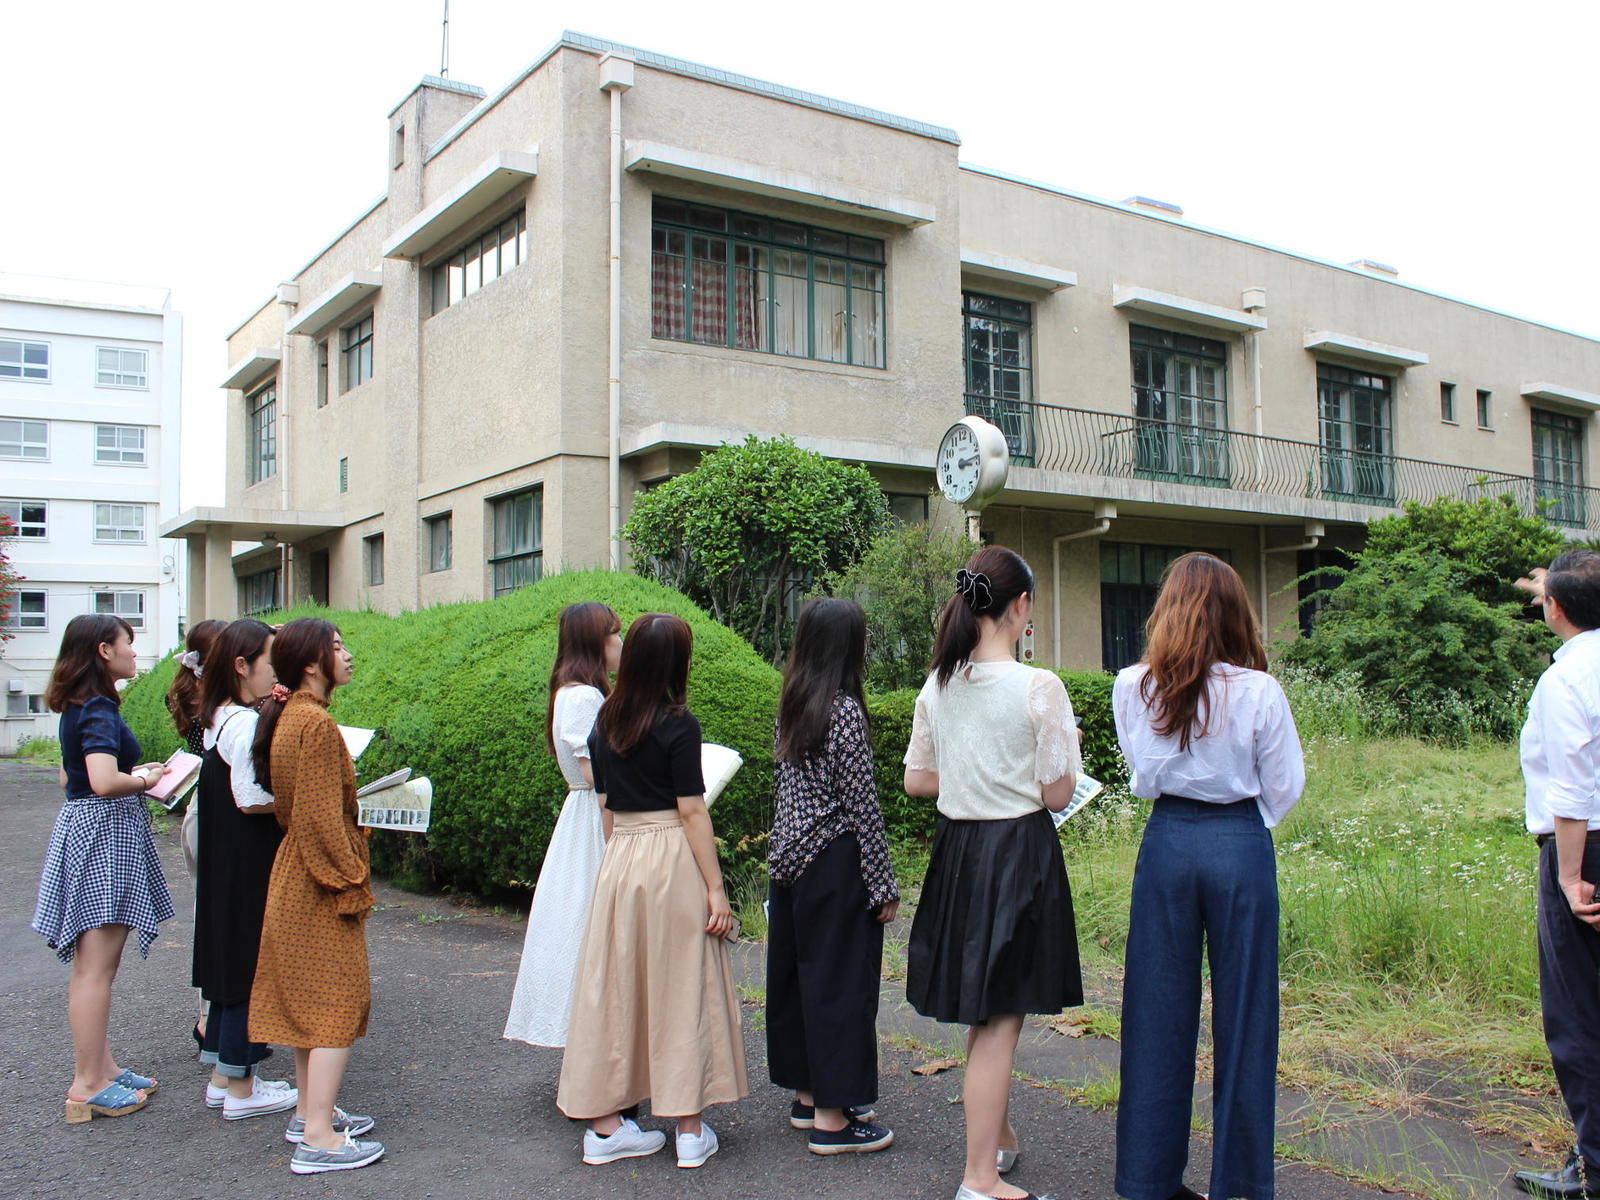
column 101, row 874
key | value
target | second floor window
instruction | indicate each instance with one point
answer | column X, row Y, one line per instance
column 119, row 445
column 356, row 348
column 25, row 439
column 998, row 353
column 518, row 557
column 24, row 360
column 724, row 278
column 29, row 610
column 1357, row 442
column 119, row 522
column 263, row 448
column 127, row 605
column 119, row 368
column 29, row 518
column 481, row 261
column 1558, row 466
column 1180, row 402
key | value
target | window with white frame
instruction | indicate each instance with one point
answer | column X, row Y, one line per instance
column 119, row 445
column 116, row 367
column 28, row 518
column 118, row 522
column 24, row 360
column 25, row 704
column 25, row 439
column 28, row 610
column 127, row 605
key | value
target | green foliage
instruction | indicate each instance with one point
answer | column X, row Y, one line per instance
column 1425, row 619
column 902, row 583
column 458, row 693
column 734, row 533
column 9, row 578
column 36, row 749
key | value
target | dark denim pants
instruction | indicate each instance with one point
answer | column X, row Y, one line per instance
column 1569, row 995
column 227, row 1045
column 1206, row 875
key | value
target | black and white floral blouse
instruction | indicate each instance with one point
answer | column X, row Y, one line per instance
column 832, row 794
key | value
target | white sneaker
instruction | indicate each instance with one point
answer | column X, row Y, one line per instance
column 629, row 1141
column 695, row 1148
column 216, row 1095
column 262, row 1100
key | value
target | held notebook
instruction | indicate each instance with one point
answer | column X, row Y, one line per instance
column 173, row 788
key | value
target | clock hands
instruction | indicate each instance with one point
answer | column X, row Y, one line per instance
column 963, row 463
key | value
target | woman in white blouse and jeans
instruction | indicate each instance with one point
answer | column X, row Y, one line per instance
column 1208, row 735
column 994, row 937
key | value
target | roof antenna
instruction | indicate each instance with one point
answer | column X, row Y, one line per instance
column 444, row 45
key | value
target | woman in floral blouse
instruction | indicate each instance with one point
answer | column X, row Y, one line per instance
column 832, row 891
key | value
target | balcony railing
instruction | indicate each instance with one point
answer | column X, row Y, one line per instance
column 1082, row 441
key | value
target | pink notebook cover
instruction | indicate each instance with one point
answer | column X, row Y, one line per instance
column 183, row 767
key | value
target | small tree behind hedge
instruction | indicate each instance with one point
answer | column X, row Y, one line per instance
column 1426, row 618
column 902, row 583
column 738, row 531
column 9, row 578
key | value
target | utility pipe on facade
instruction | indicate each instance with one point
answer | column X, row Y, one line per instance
column 1105, row 511
column 1255, row 301
column 616, row 77
column 288, row 301
column 1314, row 532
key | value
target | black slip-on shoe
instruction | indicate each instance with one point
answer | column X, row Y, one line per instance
column 857, row 1137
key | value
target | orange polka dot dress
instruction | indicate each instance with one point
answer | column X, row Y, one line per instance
column 312, row 985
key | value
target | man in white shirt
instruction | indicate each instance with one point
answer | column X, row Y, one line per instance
column 1561, row 771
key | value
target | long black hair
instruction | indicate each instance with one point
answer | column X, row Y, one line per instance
column 993, row 578
column 828, row 659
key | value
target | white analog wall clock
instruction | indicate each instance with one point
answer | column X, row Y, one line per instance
column 971, row 463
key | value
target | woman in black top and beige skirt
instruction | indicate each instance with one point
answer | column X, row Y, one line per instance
column 994, row 939
column 654, row 1012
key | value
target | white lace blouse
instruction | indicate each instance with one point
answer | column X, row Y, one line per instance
column 232, row 731
column 995, row 733
column 577, row 705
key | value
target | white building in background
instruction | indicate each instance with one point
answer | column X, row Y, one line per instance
column 89, row 438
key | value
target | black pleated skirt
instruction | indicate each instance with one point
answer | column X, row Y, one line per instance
column 994, row 932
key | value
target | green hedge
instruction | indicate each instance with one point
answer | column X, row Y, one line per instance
column 458, row 693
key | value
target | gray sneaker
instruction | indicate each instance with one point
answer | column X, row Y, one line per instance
column 308, row 1160
column 346, row 1123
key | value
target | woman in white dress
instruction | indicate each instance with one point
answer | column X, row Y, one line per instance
column 587, row 651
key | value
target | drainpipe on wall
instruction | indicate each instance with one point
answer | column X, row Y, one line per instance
column 1314, row 533
column 289, row 298
column 616, row 77
column 1105, row 512
column 1255, row 301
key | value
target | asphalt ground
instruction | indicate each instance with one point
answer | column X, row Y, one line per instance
column 462, row 1112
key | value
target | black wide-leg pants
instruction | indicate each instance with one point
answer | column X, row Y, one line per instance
column 1569, row 994
column 824, row 956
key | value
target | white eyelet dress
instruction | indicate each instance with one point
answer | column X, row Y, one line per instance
column 542, row 1001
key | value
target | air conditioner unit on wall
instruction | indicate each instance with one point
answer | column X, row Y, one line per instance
column 16, row 685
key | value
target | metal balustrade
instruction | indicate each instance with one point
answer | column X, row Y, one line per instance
column 1086, row 442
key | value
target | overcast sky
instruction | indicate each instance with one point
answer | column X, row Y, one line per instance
column 214, row 147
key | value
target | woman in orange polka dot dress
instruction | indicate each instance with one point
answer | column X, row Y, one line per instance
column 312, row 986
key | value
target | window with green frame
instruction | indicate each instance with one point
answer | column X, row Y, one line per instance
column 1558, row 466
column 1180, row 406
column 998, row 354
column 725, row 278
column 1357, row 434
column 518, row 557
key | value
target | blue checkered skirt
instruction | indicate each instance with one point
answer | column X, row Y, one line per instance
column 101, row 869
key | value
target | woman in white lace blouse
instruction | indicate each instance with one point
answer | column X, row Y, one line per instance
column 587, row 652
column 994, row 936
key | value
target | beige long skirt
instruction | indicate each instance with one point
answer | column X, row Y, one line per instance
column 654, row 1012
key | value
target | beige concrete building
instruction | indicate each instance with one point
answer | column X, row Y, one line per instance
column 463, row 390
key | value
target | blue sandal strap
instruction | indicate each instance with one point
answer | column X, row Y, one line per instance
column 114, row 1095
column 129, row 1079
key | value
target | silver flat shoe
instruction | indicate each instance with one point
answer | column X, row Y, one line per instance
column 966, row 1193
column 1005, row 1160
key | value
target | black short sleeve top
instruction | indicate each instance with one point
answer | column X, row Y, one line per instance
column 94, row 727
column 662, row 767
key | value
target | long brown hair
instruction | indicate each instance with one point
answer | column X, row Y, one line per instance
column 580, row 655
column 993, row 578
column 297, row 645
column 652, row 680
column 1202, row 617
column 245, row 638
column 184, row 696
column 827, row 660
column 80, row 673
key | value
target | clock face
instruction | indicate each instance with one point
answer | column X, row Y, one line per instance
column 958, row 463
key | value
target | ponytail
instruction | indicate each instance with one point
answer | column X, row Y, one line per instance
column 992, row 579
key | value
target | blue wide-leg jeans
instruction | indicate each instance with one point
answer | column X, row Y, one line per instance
column 1207, row 875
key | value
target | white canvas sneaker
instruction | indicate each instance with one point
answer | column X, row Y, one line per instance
column 695, row 1148
column 629, row 1141
column 262, row 1100
column 216, row 1095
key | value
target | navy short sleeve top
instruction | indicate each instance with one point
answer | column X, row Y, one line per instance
column 94, row 727
column 662, row 767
